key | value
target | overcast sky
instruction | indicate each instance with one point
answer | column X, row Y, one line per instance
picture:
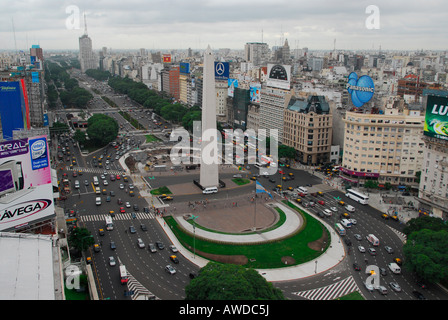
column 183, row 24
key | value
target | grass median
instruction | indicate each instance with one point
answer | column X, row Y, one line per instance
column 262, row 256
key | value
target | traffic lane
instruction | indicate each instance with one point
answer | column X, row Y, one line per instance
column 147, row 267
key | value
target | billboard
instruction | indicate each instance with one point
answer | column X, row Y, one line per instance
column 255, row 92
column 361, row 90
column 26, row 191
column 166, row 58
column 279, row 76
column 184, row 68
column 12, row 107
column 436, row 118
column 221, row 70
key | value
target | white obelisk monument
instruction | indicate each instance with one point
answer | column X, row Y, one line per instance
column 209, row 144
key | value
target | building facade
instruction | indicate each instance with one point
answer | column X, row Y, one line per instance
column 308, row 129
column 386, row 148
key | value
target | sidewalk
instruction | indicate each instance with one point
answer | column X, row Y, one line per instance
column 333, row 255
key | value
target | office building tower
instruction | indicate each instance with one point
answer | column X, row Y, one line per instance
column 256, row 52
column 87, row 57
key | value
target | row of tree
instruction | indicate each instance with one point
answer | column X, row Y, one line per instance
column 65, row 87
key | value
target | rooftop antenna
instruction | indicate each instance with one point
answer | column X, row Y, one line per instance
column 85, row 24
column 14, row 33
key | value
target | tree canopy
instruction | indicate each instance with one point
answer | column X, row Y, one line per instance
column 102, row 129
column 230, row 282
column 81, row 239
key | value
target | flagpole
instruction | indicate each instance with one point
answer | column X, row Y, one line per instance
column 255, row 207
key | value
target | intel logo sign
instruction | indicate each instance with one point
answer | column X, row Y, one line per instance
column 38, row 148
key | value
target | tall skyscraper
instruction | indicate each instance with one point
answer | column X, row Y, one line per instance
column 87, row 58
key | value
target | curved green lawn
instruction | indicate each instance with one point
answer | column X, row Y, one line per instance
column 267, row 255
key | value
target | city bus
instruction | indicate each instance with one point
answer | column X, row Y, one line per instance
column 357, row 196
column 340, row 229
column 124, row 278
column 109, row 224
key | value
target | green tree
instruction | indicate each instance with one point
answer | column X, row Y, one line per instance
column 425, row 222
column 81, row 239
column 426, row 254
column 230, row 282
column 102, row 129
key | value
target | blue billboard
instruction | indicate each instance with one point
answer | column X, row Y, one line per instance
column 11, row 104
column 222, row 70
column 361, row 90
column 184, row 68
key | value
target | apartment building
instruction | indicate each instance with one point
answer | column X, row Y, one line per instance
column 273, row 103
column 383, row 147
column 308, row 129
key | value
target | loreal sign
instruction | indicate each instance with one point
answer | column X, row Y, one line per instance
column 436, row 118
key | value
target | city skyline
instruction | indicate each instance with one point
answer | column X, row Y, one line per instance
column 400, row 25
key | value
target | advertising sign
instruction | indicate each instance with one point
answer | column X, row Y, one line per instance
column 361, row 90
column 11, row 106
column 221, row 70
column 184, row 68
column 279, row 76
column 166, row 58
column 26, row 191
column 436, row 118
column 255, row 93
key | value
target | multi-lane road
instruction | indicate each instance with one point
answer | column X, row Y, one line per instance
column 148, row 268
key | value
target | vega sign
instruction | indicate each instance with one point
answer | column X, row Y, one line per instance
column 436, row 119
column 361, row 90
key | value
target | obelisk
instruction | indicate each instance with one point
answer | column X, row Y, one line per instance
column 209, row 145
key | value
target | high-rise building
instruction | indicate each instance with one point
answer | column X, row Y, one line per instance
column 386, row 148
column 87, row 57
column 308, row 129
column 433, row 187
column 256, row 52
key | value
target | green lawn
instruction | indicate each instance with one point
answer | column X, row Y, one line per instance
column 267, row 255
column 161, row 190
column 151, row 138
column 241, row 181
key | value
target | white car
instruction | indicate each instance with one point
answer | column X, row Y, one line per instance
column 140, row 243
column 361, row 249
column 334, row 209
column 169, row 268
column 121, row 186
column 128, row 205
column 105, row 182
column 353, row 221
column 112, row 261
column 173, row 248
column 327, row 212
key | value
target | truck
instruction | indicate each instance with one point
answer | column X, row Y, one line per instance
column 374, row 241
column 394, row 268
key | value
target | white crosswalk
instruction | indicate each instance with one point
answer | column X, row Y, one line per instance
column 94, row 170
column 330, row 292
column 118, row 216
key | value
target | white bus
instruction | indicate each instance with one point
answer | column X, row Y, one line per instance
column 124, row 278
column 109, row 224
column 357, row 196
column 340, row 229
column 346, row 223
